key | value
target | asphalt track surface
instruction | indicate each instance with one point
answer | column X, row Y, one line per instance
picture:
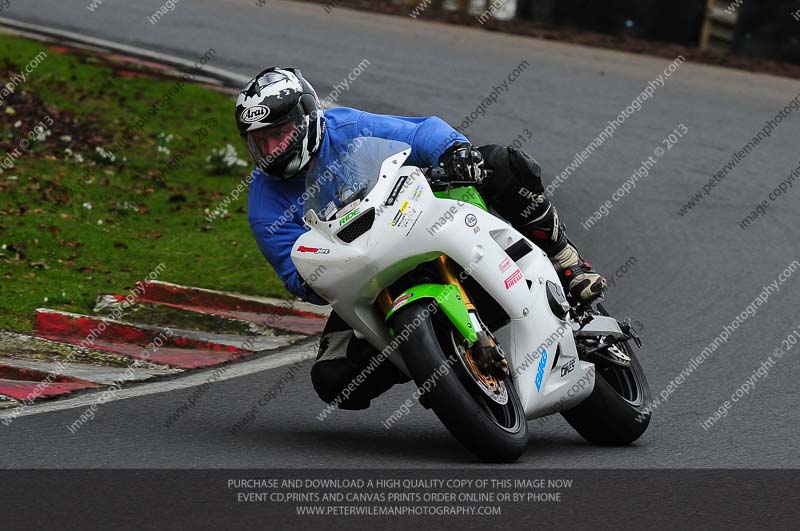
column 692, row 274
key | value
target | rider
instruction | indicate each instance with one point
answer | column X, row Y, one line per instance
column 288, row 133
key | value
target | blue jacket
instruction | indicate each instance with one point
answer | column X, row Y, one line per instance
column 276, row 217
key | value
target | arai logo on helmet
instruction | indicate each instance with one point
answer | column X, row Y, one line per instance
column 255, row 113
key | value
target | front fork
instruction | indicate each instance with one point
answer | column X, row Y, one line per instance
column 484, row 355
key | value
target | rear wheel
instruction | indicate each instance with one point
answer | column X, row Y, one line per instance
column 618, row 410
column 490, row 424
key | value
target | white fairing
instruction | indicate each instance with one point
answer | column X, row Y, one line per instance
column 409, row 232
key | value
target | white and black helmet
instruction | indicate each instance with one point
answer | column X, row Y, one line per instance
column 279, row 115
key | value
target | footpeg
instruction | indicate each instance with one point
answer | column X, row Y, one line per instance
column 627, row 328
column 607, row 353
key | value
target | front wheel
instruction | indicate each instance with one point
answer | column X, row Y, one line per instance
column 618, row 410
column 493, row 428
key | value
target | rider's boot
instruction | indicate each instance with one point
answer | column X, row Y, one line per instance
column 514, row 188
column 577, row 276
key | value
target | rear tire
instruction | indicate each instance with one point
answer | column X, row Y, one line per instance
column 619, row 409
column 495, row 433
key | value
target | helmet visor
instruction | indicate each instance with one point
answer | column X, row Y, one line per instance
column 268, row 145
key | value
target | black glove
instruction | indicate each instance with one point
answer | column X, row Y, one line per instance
column 462, row 162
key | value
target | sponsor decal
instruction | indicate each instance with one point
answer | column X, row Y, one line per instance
column 536, row 198
column 568, row 368
column 396, row 219
column 515, row 277
column 314, row 250
column 401, row 300
column 398, row 187
column 540, row 370
column 256, row 113
column 350, row 215
column 505, row 264
column 406, row 216
column 330, row 210
column 471, row 220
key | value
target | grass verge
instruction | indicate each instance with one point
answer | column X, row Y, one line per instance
column 90, row 202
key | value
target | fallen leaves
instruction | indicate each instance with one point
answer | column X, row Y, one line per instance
column 16, row 250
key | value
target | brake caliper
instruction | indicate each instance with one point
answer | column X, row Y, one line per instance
column 488, row 356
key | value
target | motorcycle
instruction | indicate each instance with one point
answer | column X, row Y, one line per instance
column 465, row 305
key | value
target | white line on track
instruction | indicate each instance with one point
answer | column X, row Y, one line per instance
column 227, row 77
column 303, row 351
column 232, row 78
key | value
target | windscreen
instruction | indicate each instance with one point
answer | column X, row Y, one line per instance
column 350, row 177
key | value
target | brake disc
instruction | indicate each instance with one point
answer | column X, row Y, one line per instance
column 490, row 386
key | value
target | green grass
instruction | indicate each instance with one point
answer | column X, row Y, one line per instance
column 56, row 254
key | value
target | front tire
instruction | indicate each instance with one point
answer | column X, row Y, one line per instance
column 493, row 432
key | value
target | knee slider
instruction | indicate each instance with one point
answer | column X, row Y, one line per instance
column 515, row 187
column 512, row 168
column 526, row 169
column 330, row 377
